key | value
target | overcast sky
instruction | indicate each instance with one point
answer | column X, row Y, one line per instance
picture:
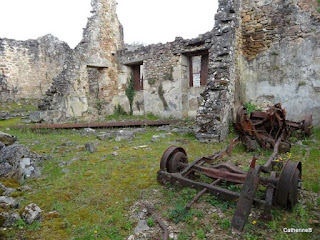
column 145, row 21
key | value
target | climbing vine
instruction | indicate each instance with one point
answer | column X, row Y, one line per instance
column 161, row 95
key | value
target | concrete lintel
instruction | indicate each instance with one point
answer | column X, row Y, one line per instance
column 94, row 65
column 195, row 52
column 136, row 61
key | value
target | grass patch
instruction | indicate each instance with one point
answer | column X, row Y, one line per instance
column 125, row 117
column 251, row 107
column 94, row 197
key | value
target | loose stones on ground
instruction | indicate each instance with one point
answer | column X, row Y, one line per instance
column 17, row 161
column 7, row 202
column 124, row 135
column 7, row 139
column 31, row 213
column 90, row 147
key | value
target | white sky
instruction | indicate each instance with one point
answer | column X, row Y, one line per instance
column 145, row 21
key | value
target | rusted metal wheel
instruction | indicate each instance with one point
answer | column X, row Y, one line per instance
column 288, row 184
column 307, row 127
column 171, row 158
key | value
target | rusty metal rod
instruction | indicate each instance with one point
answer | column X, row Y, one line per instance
column 189, row 166
column 196, row 198
column 102, row 125
column 217, row 191
column 225, row 175
column 221, row 153
column 267, row 165
column 160, row 222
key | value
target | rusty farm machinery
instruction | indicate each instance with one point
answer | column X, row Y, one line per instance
column 266, row 129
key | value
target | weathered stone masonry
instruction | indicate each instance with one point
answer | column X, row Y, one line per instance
column 215, row 111
column 279, row 59
column 27, row 68
column 272, row 55
column 88, row 82
column 259, row 51
column 166, row 77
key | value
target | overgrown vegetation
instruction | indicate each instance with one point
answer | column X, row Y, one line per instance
column 126, row 117
column 152, row 81
column 130, row 92
column 161, row 96
column 95, row 196
column 169, row 74
column 251, row 107
column 118, row 110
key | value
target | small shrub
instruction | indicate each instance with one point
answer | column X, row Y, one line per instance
column 180, row 214
column 200, row 234
column 20, row 224
column 150, row 222
column 35, row 226
column 130, row 92
column 183, row 236
column 251, row 107
column 224, row 224
column 128, row 225
column 118, row 110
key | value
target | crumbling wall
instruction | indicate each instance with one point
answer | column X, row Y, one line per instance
column 72, row 94
column 28, row 67
column 166, row 90
column 215, row 111
column 279, row 59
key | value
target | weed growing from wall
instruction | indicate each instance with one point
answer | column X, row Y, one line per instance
column 169, row 75
column 118, row 110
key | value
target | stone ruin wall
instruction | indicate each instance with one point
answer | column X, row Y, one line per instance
column 215, row 112
column 88, row 82
column 28, row 67
column 279, row 55
column 271, row 55
column 260, row 51
column 166, row 91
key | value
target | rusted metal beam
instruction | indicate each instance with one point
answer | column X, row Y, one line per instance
column 267, row 165
column 103, row 125
column 246, row 199
column 217, row 191
column 269, row 197
column 217, row 173
column 196, row 198
column 227, row 174
column 160, row 222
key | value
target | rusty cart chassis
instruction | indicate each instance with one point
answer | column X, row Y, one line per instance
column 268, row 129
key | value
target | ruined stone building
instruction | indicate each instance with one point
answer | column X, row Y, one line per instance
column 259, row 51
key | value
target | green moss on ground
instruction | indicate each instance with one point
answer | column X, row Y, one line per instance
column 94, row 196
